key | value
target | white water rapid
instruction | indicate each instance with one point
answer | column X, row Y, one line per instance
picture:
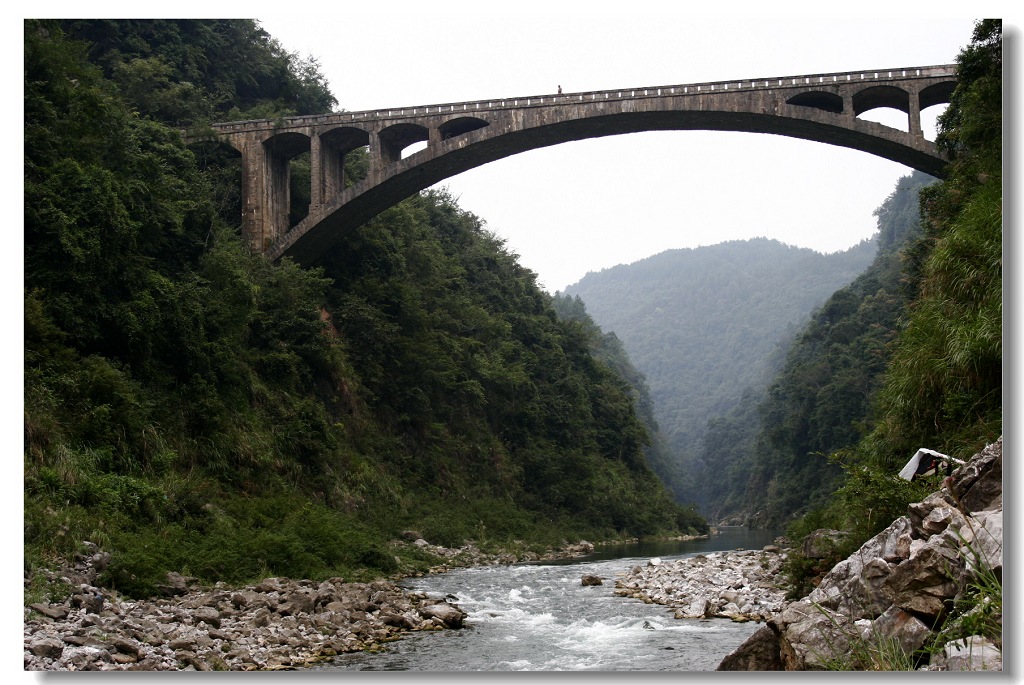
column 539, row 617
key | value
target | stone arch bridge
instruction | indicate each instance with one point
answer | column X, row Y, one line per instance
column 464, row 135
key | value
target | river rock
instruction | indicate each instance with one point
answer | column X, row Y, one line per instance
column 590, row 579
column 275, row 624
column 447, row 614
column 176, row 584
column 55, row 611
column 762, row 654
column 738, row 585
column 47, row 647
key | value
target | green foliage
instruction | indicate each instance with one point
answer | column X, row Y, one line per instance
column 241, row 539
column 944, row 385
column 189, row 71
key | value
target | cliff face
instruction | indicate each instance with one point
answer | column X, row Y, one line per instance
column 925, row 593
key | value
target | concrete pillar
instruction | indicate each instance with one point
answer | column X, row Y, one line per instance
column 378, row 157
column 278, row 196
column 254, row 182
column 327, row 171
column 914, row 113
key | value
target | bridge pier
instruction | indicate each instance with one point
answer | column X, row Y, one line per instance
column 327, row 171
column 914, row 115
column 259, row 195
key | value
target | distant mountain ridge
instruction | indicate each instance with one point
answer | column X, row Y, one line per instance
column 704, row 324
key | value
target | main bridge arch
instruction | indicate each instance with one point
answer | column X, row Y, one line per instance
column 462, row 136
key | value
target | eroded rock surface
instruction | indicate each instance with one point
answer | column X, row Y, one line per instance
column 899, row 585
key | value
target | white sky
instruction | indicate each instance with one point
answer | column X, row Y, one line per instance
column 589, row 205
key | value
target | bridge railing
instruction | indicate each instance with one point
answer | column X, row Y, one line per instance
column 836, row 78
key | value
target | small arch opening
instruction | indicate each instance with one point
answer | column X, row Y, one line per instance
column 345, row 158
column 460, row 126
column 289, row 166
column 818, row 99
column 395, row 139
column 886, row 105
column 888, row 116
column 934, row 100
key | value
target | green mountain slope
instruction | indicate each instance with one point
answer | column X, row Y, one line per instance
column 705, row 324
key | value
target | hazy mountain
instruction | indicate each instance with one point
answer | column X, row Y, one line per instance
column 704, row 324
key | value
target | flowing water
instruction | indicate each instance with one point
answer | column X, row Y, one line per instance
column 539, row 617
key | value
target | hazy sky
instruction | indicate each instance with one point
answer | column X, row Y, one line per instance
column 589, row 205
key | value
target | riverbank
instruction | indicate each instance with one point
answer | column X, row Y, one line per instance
column 275, row 624
column 272, row 625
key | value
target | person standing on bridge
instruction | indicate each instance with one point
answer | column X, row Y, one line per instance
column 559, row 90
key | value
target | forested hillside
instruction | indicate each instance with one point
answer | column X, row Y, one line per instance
column 706, row 324
column 766, row 461
column 189, row 406
column 608, row 347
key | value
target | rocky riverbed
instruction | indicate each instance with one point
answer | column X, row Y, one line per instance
column 275, row 624
column 739, row 585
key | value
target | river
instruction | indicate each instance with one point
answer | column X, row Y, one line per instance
column 539, row 617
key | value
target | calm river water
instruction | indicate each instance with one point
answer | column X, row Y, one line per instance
column 538, row 617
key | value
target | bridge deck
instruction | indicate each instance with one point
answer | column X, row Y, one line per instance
column 547, row 100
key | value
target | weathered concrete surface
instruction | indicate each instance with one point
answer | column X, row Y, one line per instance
column 462, row 136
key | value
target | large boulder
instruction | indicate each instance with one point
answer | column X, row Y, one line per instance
column 901, row 627
column 448, row 615
column 978, row 484
column 761, row 654
column 926, row 583
column 811, row 636
column 982, row 536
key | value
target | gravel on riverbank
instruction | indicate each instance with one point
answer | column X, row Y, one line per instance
column 739, row 585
